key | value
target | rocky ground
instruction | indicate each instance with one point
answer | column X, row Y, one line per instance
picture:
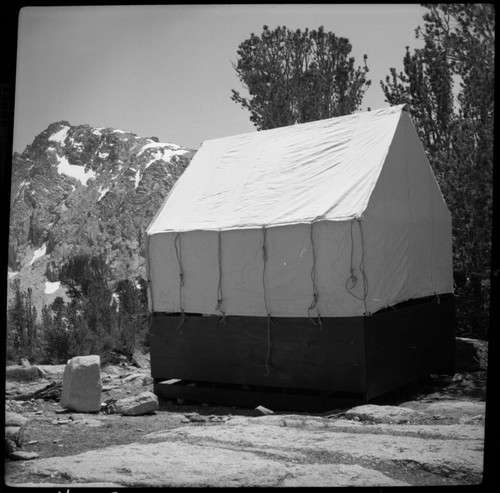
column 427, row 435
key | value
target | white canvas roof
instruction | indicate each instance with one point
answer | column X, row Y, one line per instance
column 321, row 170
column 345, row 211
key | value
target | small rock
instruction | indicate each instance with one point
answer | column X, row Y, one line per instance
column 264, row 410
column 61, row 411
column 25, row 362
column 131, row 377
column 144, row 403
column 10, row 447
column 32, row 442
column 147, row 381
column 61, row 421
column 92, row 423
column 21, row 455
column 110, row 387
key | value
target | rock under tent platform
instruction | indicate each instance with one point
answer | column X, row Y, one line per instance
column 297, row 363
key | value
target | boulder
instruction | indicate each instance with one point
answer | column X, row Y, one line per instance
column 22, row 373
column 12, row 433
column 471, row 354
column 14, row 428
column 383, row 414
column 457, row 409
column 144, row 403
column 10, row 447
column 21, row 455
column 140, row 360
column 14, row 419
column 81, row 388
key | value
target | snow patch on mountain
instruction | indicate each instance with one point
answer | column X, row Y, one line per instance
column 137, row 178
column 38, row 253
column 60, row 136
column 78, row 172
column 52, row 287
column 102, row 192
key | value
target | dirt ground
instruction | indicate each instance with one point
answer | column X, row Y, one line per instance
column 428, row 434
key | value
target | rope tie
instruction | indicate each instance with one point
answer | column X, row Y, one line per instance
column 314, row 302
column 269, row 319
column 352, row 278
column 220, row 298
column 178, row 253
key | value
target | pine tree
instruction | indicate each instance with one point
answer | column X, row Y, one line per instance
column 22, row 337
column 456, row 128
column 298, row 76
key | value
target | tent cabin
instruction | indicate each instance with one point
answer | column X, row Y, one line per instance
column 314, row 257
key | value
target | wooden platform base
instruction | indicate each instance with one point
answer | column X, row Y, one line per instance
column 359, row 356
column 242, row 396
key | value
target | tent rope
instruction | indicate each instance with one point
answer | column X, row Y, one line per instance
column 220, row 298
column 315, row 289
column 178, row 253
column 269, row 319
column 353, row 278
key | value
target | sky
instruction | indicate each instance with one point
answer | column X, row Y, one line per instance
column 166, row 70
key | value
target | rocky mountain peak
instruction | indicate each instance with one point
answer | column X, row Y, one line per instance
column 84, row 189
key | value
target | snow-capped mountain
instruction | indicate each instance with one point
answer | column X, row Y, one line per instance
column 83, row 189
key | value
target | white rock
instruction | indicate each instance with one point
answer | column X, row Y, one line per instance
column 52, row 372
column 141, row 404
column 140, row 360
column 383, row 414
column 81, row 389
column 264, row 410
column 133, row 376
